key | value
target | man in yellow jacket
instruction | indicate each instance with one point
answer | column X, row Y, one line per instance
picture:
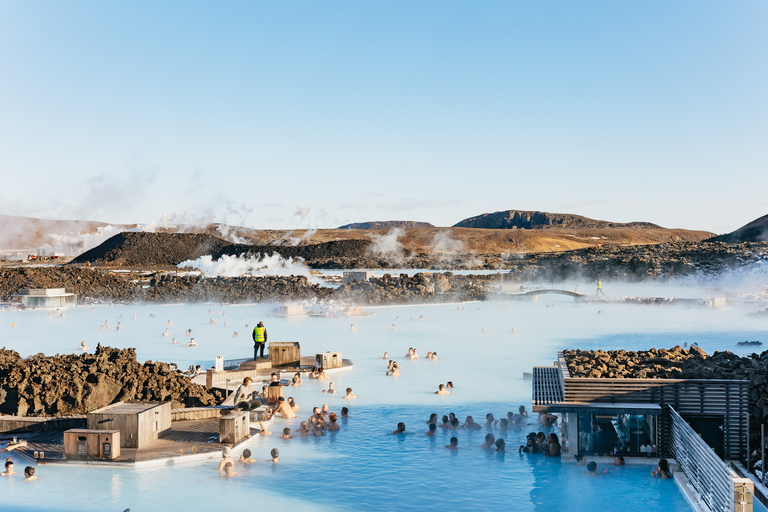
column 259, row 340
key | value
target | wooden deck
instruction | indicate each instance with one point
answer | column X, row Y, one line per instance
column 185, row 438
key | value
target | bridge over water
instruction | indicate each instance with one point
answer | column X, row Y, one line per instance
column 514, row 292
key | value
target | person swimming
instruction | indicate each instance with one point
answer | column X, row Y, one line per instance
column 400, row 428
column 441, row 390
column 454, row 444
column 83, row 347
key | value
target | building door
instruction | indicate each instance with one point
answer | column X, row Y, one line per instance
column 710, row 428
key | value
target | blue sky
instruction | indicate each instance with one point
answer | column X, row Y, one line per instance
column 246, row 112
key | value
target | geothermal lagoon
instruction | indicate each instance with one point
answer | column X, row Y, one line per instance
column 483, row 348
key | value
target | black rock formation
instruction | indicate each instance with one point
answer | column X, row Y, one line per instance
column 516, row 219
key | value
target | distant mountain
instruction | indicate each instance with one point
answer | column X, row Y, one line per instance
column 387, row 224
column 516, row 219
column 755, row 231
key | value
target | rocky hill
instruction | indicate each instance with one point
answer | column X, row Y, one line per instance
column 387, row 224
column 516, row 219
column 149, row 249
column 76, row 384
column 755, row 231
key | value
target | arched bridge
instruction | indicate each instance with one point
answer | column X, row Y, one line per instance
column 542, row 291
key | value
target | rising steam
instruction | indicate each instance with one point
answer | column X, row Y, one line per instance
column 387, row 246
column 236, row 266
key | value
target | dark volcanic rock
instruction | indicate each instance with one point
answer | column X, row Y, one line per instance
column 150, row 249
column 755, row 231
column 387, row 224
column 314, row 254
column 516, row 219
column 76, row 384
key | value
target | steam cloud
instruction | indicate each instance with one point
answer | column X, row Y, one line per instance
column 387, row 246
column 236, row 266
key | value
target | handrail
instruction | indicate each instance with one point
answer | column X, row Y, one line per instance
column 708, row 474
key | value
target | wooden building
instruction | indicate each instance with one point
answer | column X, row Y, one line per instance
column 601, row 414
column 83, row 444
column 285, row 353
column 139, row 423
column 329, row 360
column 234, row 427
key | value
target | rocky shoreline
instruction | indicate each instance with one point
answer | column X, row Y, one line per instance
column 102, row 286
column 64, row 385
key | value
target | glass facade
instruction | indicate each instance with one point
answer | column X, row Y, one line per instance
column 628, row 434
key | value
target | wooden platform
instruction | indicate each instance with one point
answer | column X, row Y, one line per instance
column 185, row 438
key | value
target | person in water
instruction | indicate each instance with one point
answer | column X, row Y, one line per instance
column 284, row 409
column 470, row 424
column 349, row 394
column 662, row 471
column 454, row 444
column 501, row 446
column 400, row 428
column 489, row 441
column 344, row 412
column 296, row 381
column 29, row 474
column 331, row 388
column 441, row 390
column 8, row 468
column 592, row 469
column 332, row 426
column 245, row 458
column 83, row 347
column 275, row 453
column 286, row 434
column 226, row 457
column 431, row 431
column 293, row 405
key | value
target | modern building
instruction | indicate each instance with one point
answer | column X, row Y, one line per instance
column 600, row 414
column 46, row 298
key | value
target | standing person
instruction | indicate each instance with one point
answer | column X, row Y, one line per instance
column 259, row 340
column 599, row 288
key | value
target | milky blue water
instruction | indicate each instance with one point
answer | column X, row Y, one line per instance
column 364, row 467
